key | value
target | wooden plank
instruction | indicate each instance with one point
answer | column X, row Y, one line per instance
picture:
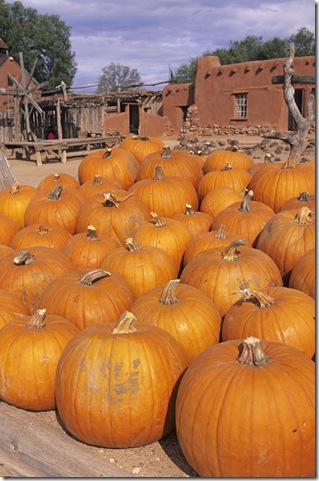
column 295, row 79
column 30, row 447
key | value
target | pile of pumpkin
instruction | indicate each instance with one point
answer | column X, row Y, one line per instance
column 160, row 290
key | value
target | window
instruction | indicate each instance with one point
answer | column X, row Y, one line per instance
column 241, row 105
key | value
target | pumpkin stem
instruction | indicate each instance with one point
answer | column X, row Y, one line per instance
column 189, row 210
column 141, row 137
column 107, row 153
column 56, row 177
column 55, row 193
column 157, row 221
column 220, row 234
column 132, row 245
column 263, row 299
column 303, row 197
column 159, row 173
column 24, row 258
column 15, row 188
column 231, row 252
column 42, row 230
column 245, row 205
column 93, row 276
column 92, row 234
column 252, row 352
column 304, row 216
column 110, row 200
column 126, row 324
column 226, row 167
column 37, row 319
column 166, row 152
column 168, row 295
column 97, row 180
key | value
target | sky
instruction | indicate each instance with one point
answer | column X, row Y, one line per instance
column 155, row 36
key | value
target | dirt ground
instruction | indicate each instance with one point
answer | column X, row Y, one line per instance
column 163, row 458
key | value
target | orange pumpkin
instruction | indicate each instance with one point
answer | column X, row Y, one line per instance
column 12, row 306
column 197, row 222
column 9, row 228
column 303, row 200
column 303, row 274
column 183, row 311
column 218, row 199
column 31, row 347
column 278, row 314
column 225, row 421
column 14, row 200
column 97, row 185
column 126, row 397
column 219, row 157
column 87, row 296
column 46, row 235
column 60, row 178
column 141, row 146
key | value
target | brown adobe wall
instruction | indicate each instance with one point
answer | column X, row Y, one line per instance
column 176, row 100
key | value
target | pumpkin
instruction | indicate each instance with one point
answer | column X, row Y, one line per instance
column 115, row 163
column 218, row 199
column 59, row 206
column 246, row 409
column 208, row 240
column 277, row 314
column 303, row 274
column 27, row 273
column 183, row 311
column 275, row 186
column 115, row 213
column 286, row 237
column 59, row 178
column 166, row 196
column 14, row 201
column 174, row 163
column 303, row 200
column 30, row 348
column 197, row 222
column 87, row 249
column 219, row 157
column 141, row 146
column 87, row 296
column 144, row 267
column 4, row 250
column 47, row 235
column 219, row 272
column 169, row 234
column 116, row 383
column 236, row 179
column 246, row 218
column 97, row 185
column 9, row 228
column 12, row 306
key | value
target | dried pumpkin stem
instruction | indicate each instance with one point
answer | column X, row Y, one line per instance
column 92, row 234
column 56, row 177
column 303, row 197
column 245, row 205
column 252, row 353
column 304, row 216
column 168, row 295
column 110, row 200
column 157, row 221
column 97, row 180
column 231, row 252
column 126, row 324
column 189, row 210
column 141, row 137
column 42, row 230
column 166, row 152
column 37, row 319
column 93, row 276
column 226, row 167
column 220, row 234
column 107, row 153
column 159, row 173
column 24, row 258
column 132, row 245
column 263, row 299
column 56, row 192
column 15, row 188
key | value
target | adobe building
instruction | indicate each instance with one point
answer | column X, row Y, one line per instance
column 239, row 95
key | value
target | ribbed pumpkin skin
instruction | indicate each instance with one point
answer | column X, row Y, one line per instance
column 28, row 361
column 218, row 158
column 97, row 185
column 47, row 235
column 117, row 221
column 9, row 228
column 289, row 320
column 298, row 202
column 225, row 420
column 218, row 199
column 196, row 221
column 220, row 279
column 303, row 274
column 84, row 304
column 11, row 307
column 275, row 186
column 61, row 211
column 14, row 201
column 141, row 146
column 60, row 178
column 119, row 390
column 4, row 250
column 236, row 179
column 285, row 240
column 166, row 196
column 116, row 163
column 175, row 163
column 189, row 316
column 144, row 269
column 28, row 281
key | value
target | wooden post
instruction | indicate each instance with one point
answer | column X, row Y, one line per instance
column 58, row 119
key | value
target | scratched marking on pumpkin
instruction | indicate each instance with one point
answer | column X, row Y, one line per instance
column 129, row 381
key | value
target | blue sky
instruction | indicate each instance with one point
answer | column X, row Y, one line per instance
column 152, row 36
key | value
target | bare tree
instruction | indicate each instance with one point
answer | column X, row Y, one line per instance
column 294, row 139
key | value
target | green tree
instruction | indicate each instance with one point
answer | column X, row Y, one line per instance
column 275, row 48
column 305, row 43
column 45, row 37
column 186, row 72
column 117, row 78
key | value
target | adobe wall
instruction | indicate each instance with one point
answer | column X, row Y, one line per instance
column 176, row 99
column 150, row 125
